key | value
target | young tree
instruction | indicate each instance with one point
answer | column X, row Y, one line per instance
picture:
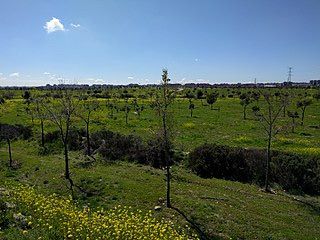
column 127, row 110
column 285, row 100
column 317, row 96
column 162, row 104
column 84, row 112
column 303, row 104
column 8, row 133
column 60, row 112
column 212, row 98
column 191, row 106
column 268, row 120
column 245, row 101
column 40, row 114
column 293, row 116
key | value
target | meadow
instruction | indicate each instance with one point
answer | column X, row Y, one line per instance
column 222, row 209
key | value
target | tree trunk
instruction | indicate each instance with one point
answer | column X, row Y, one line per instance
column 244, row 112
column 191, row 112
column 210, row 106
column 268, row 163
column 42, row 133
column 66, row 160
column 88, row 140
column 9, row 151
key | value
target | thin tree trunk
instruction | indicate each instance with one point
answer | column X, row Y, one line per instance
column 167, row 158
column 268, row 163
column 10, row 155
column 66, row 160
column 244, row 112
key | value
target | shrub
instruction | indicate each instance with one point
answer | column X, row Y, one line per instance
column 114, row 146
column 293, row 172
column 210, row 160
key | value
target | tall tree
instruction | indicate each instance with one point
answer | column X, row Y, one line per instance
column 60, row 112
column 161, row 104
column 268, row 119
column 84, row 112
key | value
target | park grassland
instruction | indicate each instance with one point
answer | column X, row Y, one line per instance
column 223, row 209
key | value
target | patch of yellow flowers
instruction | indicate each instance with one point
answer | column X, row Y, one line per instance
column 55, row 215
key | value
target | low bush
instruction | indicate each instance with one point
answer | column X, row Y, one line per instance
column 293, row 172
column 114, row 146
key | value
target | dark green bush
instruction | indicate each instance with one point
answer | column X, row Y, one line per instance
column 293, row 172
column 210, row 160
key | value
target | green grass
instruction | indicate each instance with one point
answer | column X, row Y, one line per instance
column 223, row 208
column 223, row 127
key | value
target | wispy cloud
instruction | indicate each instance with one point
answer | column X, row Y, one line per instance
column 130, row 77
column 196, row 59
column 16, row 74
column 54, row 25
column 46, row 73
column 75, row 25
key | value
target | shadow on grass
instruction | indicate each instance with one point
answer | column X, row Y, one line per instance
column 196, row 227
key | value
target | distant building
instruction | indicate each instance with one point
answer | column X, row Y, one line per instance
column 315, row 82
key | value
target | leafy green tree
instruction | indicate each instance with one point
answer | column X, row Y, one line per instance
column 162, row 103
column 303, row 104
column 8, row 133
column 212, row 98
column 245, row 101
column 191, row 107
column 317, row 96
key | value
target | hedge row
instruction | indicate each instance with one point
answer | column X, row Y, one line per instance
column 293, row 172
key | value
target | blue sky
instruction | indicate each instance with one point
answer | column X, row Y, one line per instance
column 124, row 41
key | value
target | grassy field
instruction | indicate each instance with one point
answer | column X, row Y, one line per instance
column 226, row 126
column 225, row 209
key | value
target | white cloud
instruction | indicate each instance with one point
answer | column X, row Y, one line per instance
column 46, row 73
column 54, row 25
column 75, row 25
column 16, row 74
column 130, row 77
column 1, row 74
column 196, row 59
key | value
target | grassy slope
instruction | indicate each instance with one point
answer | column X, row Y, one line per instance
column 224, row 208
